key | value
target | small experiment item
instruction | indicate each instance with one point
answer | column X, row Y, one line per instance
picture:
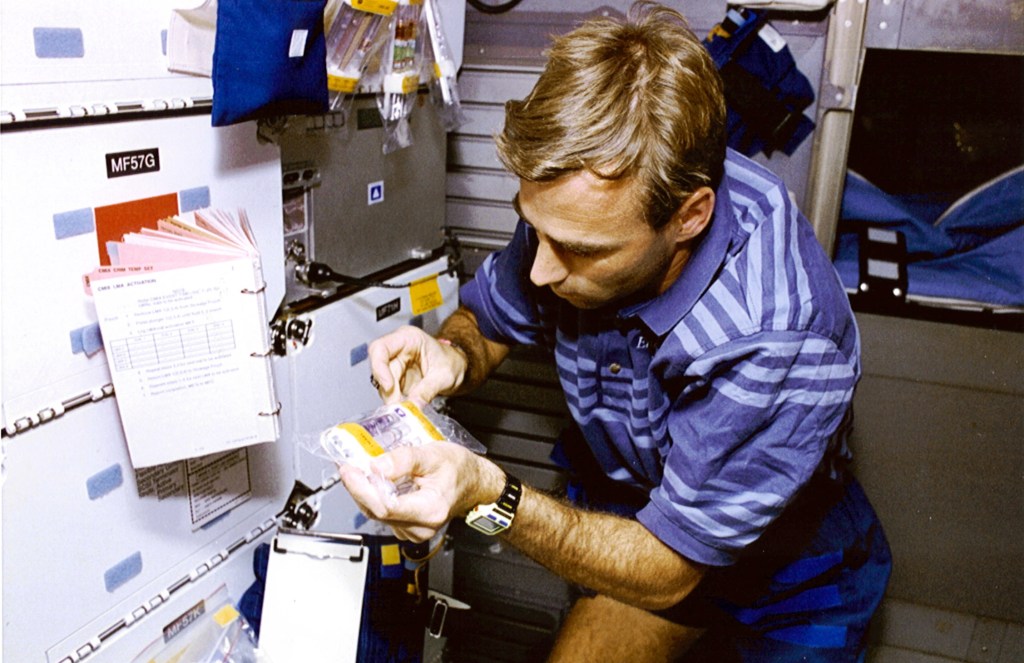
column 387, row 428
column 355, row 34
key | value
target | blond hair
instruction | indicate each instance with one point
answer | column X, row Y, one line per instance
column 640, row 98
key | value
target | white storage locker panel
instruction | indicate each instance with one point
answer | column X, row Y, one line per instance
column 56, row 193
column 88, row 541
column 80, row 58
column 330, row 375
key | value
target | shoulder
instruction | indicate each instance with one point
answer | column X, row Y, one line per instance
column 777, row 279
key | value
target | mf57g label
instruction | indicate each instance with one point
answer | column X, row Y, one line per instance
column 135, row 162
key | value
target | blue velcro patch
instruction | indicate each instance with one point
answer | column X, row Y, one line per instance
column 122, row 572
column 104, row 482
column 58, row 42
column 73, row 223
column 358, row 354
column 88, row 340
column 190, row 200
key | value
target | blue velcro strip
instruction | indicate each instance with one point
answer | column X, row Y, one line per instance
column 88, row 339
column 163, row 41
column 804, row 569
column 190, row 200
column 818, row 636
column 122, row 572
column 58, row 42
column 75, row 222
column 104, row 482
column 92, row 339
column 358, row 354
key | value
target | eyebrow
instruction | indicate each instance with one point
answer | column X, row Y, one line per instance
column 573, row 247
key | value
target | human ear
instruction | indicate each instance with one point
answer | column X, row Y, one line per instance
column 694, row 214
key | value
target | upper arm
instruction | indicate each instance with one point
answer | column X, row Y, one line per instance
column 746, row 434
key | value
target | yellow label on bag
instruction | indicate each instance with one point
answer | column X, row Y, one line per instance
column 225, row 615
column 430, row 429
column 341, row 83
column 364, row 438
column 425, row 294
column 382, row 7
column 410, row 83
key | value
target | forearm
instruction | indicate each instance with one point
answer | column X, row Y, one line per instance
column 482, row 354
column 615, row 556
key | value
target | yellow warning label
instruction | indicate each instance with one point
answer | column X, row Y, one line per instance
column 425, row 294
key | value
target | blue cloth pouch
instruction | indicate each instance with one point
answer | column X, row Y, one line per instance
column 269, row 59
column 765, row 92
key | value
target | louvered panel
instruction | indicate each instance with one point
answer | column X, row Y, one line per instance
column 481, row 120
column 488, row 185
column 484, row 85
column 472, row 152
column 479, row 415
column 494, row 219
column 547, row 399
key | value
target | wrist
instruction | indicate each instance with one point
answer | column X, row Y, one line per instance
column 454, row 345
column 494, row 515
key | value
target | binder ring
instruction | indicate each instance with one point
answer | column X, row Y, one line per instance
column 247, row 291
column 274, row 413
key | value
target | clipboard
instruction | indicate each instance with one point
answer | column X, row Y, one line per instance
column 313, row 601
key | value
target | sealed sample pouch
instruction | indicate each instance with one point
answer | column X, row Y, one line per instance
column 269, row 59
column 390, row 427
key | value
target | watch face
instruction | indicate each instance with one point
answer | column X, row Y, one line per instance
column 485, row 524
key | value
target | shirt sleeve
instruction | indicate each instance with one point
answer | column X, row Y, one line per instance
column 507, row 306
column 750, row 427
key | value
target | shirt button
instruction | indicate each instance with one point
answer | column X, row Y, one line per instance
column 615, row 368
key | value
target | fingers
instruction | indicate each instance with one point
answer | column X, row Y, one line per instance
column 400, row 348
column 374, row 502
column 409, row 363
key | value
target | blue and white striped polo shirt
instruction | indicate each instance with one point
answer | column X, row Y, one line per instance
column 720, row 396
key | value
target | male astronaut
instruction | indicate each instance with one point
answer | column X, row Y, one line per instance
column 707, row 353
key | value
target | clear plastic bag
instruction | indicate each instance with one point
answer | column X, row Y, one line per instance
column 212, row 631
column 354, row 36
column 390, row 427
column 400, row 65
column 444, row 88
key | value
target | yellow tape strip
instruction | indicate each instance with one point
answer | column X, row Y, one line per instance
column 366, row 441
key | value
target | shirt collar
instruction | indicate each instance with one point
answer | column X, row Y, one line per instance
column 663, row 312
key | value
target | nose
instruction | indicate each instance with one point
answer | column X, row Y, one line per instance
column 547, row 267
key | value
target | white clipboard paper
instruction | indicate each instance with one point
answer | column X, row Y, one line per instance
column 313, row 601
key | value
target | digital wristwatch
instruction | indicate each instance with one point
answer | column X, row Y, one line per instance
column 497, row 517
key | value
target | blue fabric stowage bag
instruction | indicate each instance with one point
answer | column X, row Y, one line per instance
column 972, row 250
column 269, row 59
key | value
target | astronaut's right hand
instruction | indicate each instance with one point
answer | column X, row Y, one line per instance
column 411, row 364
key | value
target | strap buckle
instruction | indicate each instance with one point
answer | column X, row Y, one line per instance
column 440, row 605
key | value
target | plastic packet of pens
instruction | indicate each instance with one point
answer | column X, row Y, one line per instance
column 390, row 427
